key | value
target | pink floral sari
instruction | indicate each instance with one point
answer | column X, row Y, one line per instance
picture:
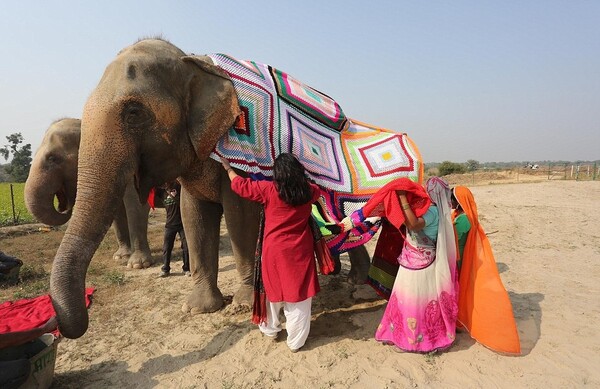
column 421, row 313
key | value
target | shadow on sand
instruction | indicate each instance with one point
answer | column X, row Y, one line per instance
column 528, row 315
column 502, row 267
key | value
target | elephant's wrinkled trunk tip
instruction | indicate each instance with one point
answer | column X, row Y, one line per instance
column 67, row 284
column 71, row 326
column 70, row 308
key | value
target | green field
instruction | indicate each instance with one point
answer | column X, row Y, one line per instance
column 6, row 213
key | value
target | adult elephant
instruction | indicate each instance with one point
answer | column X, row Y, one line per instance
column 156, row 114
column 53, row 174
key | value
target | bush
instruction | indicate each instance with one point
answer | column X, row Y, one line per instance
column 448, row 167
column 472, row 165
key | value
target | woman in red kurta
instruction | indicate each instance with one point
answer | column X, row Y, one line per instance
column 288, row 264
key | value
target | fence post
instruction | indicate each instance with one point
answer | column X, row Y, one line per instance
column 577, row 173
column 12, row 200
column 594, row 174
column 549, row 170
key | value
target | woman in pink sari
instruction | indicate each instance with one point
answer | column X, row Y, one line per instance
column 421, row 313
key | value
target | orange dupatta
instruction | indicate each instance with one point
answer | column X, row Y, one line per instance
column 484, row 307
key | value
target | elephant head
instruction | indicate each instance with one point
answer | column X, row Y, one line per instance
column 53, row 173
column 156, row 114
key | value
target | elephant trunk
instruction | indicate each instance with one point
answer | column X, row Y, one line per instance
column 96, row 207
column 69, row 302
column 39, row 199
column 106, row 164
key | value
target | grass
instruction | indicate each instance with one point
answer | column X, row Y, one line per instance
column 342, row 353
column 115, row 277
column 37, row 251
column 34, row 281
column 32, row 272
column 430, row 357
column 227, row 384
column 33, row 289
column 6, row 212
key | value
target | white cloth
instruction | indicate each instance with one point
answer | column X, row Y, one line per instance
column 297, row 321
column 440, row 194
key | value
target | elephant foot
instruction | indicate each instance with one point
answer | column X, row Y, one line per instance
column 203, row 300
column 244, row 295
column 358, row 275
column 121, row 256
column 337, row 265
column 139, row 260
column 360, row 262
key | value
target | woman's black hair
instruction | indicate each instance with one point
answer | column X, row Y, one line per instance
column 290, row 180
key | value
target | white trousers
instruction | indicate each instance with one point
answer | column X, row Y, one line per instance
column 297, row 321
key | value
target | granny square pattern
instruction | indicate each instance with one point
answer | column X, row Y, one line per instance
column 349, row 160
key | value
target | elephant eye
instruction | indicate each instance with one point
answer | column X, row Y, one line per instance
column 135, row 115
column 52, row 158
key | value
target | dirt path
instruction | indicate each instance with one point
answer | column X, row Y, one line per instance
column 546, row 239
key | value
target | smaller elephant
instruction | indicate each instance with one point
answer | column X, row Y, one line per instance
column 53, row 174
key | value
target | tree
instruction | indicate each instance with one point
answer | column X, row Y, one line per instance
column 19, row 167
column 448, row 167
column 4, row 177
column 472, row 165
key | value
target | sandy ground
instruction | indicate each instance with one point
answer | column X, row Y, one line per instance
column 546, row 239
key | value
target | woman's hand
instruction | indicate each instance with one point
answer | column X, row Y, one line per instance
column 225, row 163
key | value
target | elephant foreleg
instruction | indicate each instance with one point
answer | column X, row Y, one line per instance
column 137, row 220
column 122, row 232
column 201, row 222
column 242, row 219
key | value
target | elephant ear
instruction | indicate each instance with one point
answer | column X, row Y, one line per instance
column 212, row 104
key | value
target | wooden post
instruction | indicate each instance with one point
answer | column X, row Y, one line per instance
column 12, row 200
column 549, row 167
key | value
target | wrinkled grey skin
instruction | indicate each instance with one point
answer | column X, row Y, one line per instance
column 53, row 174
column 156, row 114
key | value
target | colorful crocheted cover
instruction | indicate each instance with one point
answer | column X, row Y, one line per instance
column 349, row 160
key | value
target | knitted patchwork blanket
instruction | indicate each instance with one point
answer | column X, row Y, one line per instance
column 349, row 160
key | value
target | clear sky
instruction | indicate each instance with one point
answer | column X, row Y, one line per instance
column 494, row 81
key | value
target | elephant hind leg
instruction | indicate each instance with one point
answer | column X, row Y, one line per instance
column 121, row 256
column 137, row 222
column 360, row 262
column 140, row 259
